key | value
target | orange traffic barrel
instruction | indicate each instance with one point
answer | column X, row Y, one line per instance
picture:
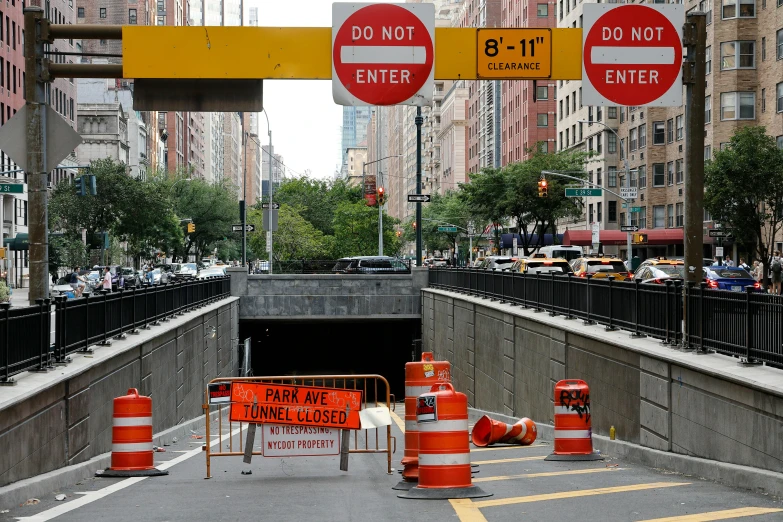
column 444, row 450
column 489, row 431
column 419, row 378
column 131, row 441
column 573, row 427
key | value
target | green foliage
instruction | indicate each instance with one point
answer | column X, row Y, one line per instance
column 66, row 252
column 5, row 293
column 744, row 189
column 295, row 238
column 317, row 200
column 356, row 231
column 447, row 209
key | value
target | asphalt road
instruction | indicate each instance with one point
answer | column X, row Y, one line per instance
column 524, row 487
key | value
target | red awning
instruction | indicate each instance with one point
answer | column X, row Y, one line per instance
column 658, row 236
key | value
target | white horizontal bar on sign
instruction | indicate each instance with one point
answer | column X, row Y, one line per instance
column 383, row 54
column 132, row 421
column 131, row 447
column 443, row 459
column 632, row 55
column 573, row 434
column 443, row 425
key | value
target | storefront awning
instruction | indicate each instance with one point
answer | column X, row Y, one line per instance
column 655, row 237
column 20, row 242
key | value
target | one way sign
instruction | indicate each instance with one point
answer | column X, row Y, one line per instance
column 629, row 228
column 419, row 198
column 238, row 228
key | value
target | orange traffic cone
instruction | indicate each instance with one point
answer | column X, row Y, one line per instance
column 488, row 431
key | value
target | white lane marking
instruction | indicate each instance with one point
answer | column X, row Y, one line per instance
column 92, row 496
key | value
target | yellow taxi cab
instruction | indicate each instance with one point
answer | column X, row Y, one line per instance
column 541, row 265
column 601, row 267
column 659, row 262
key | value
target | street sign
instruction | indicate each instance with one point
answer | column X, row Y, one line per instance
column 219, row 392
column 267, row 403
column 719, row 232
column 421, row 198
column 572, row 192
column 11, row 188
column 514, row 53
column 270, row 219
column 632, row 54
column 629, row 228
column 238, row 228
column 595, row 233
column 298, row 441
column 61, row 139
column 628, row 192
column 274, row 205
column 636, row 209
column 718, row 251
column 447, row 229
column 383, row 54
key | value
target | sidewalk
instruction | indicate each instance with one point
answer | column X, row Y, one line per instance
column 19, row 297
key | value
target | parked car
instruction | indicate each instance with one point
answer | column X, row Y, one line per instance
column 370, row 265
column 601, row 267
column 735, row 279
column 497, row 263
column 663, row 263
column 660, row 273
column 214, row 271
column 186, row 270
column 158, row 277
column 132, row 278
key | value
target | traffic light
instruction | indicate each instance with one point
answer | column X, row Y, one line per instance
column 80, row 189
column 381, row 196
column 2, row 253
column 414, row 225
column 542, row 188
column 399, row 233
column 191, row 228
column 639, row 239
column 93, row 184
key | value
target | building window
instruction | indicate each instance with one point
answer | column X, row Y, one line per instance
column 745, row 8
column 737, row 55
column 642, row 136
column 80, row 12
column 669, row 216
column 643, row 217
column 738, row 106
column 599, row 180
column 132, row 16
column 560, row 112
column 611, row 113
column 543, row 120
column 678, row 171
column 705, row 6
column 598, row 113
column 542, row 92
column 659, row 133
column 568, row 105
column 763, row 100
column 543, row 10
column 707, row 152
column 544, row 147
column 632, row 182
column 680, row 127
column 611, row 143
column 642, row 177
column 708, row 60
column 780, row 138
column 632, row 141
column 670, row 172
column 670, row 131
column 707, row 109
column 600, row 214
column 611, row 174
column 659, row 216
column 590, row 213
column 763, row 48
column 779, row 97
column 679, row 214
column 103, row 12
column 612, row 217
column 659, row 178
column 779, row 41
column 590, row 115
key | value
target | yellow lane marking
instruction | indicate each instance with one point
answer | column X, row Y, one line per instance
column 574, row 494
column 547, row 474
column 466, row 510
column 501, row 461
column 716, row 515
column 501, row 448
column 398, row 421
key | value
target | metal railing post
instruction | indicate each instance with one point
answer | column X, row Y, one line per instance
column 552, row 312
column 702, row 316
column 569, row 315
column 610, row 327
column 587, row 298
column 637, row 311
column 43, row 337
column 538, row 293
column 6, row 379
column 667, row 284
column 106, row 341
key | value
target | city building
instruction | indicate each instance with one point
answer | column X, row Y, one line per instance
column 272, row 167
column 452, row 137
column 354, row 130
column 355, row 169
column 232, row 148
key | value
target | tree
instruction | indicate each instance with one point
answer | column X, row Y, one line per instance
column 295, row 237
column 484, row 197
column 744, row 190
column 443, row 210
column 356, row 231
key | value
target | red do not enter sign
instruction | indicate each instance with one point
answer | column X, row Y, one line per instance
column 632, row 55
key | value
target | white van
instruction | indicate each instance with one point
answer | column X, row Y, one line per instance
column 561, row 251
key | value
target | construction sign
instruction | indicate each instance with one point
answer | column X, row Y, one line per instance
column 266, row 403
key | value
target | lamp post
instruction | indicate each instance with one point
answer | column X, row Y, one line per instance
column 627, row 168
column 380, row 207
column 271, row 191
column 243, row 206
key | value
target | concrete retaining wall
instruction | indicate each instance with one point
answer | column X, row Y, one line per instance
column 508, row 359
column 64, row 417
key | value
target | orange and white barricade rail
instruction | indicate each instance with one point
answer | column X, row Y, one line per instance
column 131, row 448
column 489, row 431
column 444, row 450
column 573, row 425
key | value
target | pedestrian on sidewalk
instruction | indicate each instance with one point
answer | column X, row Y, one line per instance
column 743, row 264
column 107, row 279
column 776, row 269
column 729, row 261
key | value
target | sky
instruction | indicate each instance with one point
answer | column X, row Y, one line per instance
column 304, row 120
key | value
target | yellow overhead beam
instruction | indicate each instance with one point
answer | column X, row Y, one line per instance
column 297, row 53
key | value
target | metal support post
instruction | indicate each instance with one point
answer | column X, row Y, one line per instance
column 693, row 76
column 35, row 99
column 380, row 229
column 271, row 199
column 419, row 121
column 628, row 210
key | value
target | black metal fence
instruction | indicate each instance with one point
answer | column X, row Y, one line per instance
column 96, row 319
column 748, row 325
column 338, row 266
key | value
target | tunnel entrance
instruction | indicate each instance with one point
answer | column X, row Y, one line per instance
column 333, row 347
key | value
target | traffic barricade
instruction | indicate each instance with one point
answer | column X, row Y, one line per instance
column 573, row 426
column 419, row 378
column 489, row 431
column 444, row 446
column 131, row 438
column 305, row 415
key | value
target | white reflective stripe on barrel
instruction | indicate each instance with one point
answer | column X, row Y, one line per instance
column 565, row 410
column 131, row 447
column 132, row 421
column 573, row 434
column 411, row 426
column 444, row 425
column 443, row 459
column 415, row 391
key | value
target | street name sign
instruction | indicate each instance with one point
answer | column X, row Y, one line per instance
column 273, row 205
column 572, row 192
column 299, row 441
column 719, row 232
column 266, row 403
column 629, row 228
column 447, row 229
column 419, row 198
column 632, row 54
column 629, row 192
column 383, row 54
column 636, row 209
column 11, row 188
column 238, row 228
column 515, row 53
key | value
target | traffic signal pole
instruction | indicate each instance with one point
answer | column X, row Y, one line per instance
column 419, row 121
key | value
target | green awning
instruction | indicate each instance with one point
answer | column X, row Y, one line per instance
column 20, row 242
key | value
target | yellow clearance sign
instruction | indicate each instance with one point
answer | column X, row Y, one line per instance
column 514, row 53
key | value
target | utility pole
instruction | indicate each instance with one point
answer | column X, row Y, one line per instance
column 35, row 100
column 379, row 183
column 693, row 76
column 271, row 196
column 243, row 203
column 419, row 121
